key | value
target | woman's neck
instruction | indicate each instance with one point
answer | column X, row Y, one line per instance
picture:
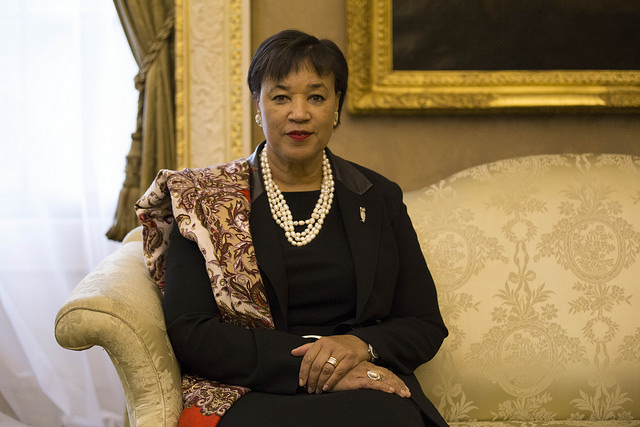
column 297, row 177
column 288, row 182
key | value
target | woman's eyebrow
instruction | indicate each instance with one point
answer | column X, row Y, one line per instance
column 310, row 86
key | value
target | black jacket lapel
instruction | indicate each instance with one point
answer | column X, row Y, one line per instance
column 362, row 223
column 269, row 254
column 265, row 241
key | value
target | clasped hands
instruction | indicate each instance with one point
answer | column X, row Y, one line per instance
column 349, row 370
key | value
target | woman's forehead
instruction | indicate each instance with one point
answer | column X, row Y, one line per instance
column 305, row 68
column 307, row 77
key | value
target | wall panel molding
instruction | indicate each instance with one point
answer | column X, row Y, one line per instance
column 212, row 101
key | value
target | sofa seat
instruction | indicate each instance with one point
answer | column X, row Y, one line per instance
column 536, row 264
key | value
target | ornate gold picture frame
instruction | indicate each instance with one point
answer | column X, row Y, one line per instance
column 375, row 87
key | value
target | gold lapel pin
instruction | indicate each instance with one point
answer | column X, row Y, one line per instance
column 363, row 214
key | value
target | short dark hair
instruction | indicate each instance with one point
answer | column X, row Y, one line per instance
column 284, row 53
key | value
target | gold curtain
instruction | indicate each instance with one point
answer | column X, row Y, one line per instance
column 149, row 27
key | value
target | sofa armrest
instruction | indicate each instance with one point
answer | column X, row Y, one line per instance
column 118, row 307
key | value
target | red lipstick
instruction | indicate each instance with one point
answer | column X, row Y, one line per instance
column 298, row 135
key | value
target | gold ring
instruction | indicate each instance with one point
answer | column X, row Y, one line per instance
column 332, row 361
column 374, row 375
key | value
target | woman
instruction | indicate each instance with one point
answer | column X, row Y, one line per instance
column 293, row 274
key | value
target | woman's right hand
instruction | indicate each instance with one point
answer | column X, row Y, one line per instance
column 358, row 378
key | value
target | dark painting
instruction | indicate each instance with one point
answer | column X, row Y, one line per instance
column 492, row 35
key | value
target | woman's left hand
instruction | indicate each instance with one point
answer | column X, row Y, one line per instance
column 317, row 372
column 373, row 377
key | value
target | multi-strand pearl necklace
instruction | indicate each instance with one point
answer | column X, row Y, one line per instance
column 281, row 212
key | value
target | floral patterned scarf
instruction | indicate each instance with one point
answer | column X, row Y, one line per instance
column 211, row 207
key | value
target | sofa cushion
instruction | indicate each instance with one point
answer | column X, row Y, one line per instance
column 536, row 264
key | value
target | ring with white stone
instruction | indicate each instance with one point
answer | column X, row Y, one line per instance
column 374, row 375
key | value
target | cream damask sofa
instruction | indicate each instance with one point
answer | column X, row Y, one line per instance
column 535, row 260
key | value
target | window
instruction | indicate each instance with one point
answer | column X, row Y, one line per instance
column 67, row 108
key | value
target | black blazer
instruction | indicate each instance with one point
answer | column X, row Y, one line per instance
column 396, row 310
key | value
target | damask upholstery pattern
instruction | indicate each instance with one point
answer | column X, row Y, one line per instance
column 536, row 264
column 118, row 307
column 535, row 261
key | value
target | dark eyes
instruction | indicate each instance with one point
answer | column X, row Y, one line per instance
column 316, row 99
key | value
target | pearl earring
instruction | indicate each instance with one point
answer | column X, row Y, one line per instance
column 259, row 120
column 336, row 117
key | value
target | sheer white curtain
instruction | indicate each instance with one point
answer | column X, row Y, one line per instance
column 67, row 108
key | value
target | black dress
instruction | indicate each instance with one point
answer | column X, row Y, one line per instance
column 322, row 294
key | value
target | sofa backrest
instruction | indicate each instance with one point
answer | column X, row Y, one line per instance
column 536, row 261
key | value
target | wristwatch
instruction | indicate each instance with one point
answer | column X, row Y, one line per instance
column 373, row 354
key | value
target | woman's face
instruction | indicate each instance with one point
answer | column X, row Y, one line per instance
column 298, row 113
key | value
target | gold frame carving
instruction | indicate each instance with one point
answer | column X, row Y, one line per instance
column 374, row 87
column 182, row 67
column 231, row 135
